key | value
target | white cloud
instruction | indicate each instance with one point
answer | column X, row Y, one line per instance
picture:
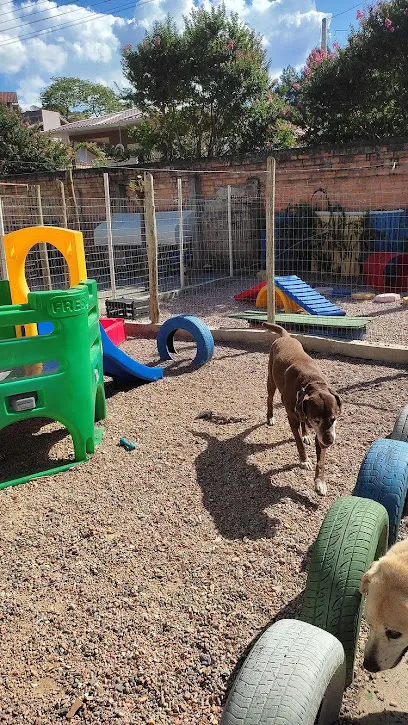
column 82, row 49
column 50, row 57
column 90, row 48
column 29, row 90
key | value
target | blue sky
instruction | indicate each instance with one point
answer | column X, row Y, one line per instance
column 86, row 38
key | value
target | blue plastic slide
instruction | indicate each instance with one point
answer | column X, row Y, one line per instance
column 122, row 367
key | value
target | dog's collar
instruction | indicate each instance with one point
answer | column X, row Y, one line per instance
column 299, row 393
column 299, row 398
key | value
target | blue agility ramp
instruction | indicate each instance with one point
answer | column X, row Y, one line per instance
column 122, row 367
column 306, row 297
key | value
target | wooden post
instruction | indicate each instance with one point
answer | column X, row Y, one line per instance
column 45, row 265
column 65, row 224
column 64, row 204
column 74, row 199
column 270, row 238
column 109, row 234
column 230, row 250
column 152, row 251
column 3, row 263
column 181, row 230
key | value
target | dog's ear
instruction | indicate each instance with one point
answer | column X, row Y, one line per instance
column 365, row 582
column 338, row 399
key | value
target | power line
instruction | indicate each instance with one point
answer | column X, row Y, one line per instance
column 97, row 16
column 40, row 2
column 343, row 12
column 57, row 15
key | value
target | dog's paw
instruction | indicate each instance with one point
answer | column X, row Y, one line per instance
column 307, row 464
column 270, row 421
column 308, row 440
column 320, row 486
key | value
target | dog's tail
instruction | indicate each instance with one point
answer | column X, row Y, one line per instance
column 277, row 329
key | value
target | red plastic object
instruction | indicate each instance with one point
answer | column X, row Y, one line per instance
column 115, row 329
column 374, row 268
column 249, row 294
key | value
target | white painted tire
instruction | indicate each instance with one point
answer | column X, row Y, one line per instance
column 294, row 675
column 400, row 430
column 387, row 297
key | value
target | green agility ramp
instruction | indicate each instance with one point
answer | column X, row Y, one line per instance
column 57, row 376
column 348, row 328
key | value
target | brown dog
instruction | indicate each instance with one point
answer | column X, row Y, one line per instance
column 309, row 402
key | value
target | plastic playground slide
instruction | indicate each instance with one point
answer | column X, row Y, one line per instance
column 122, row 367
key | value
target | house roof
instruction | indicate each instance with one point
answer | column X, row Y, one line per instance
column 119, row 119
column 8, row 97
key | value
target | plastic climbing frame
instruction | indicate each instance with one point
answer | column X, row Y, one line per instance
column 17, row 246
column 59, row 375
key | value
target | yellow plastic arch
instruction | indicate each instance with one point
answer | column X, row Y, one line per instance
column 18, row 244
column 281, row 300
column 261, row 298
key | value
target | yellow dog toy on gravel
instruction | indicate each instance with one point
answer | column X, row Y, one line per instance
column 360, row 296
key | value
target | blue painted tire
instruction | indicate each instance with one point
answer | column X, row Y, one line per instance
column 199, row 331
column 383, row 477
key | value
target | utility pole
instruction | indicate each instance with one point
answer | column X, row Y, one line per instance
column 324, row 35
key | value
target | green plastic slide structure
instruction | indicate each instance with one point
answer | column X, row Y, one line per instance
column 57, row 376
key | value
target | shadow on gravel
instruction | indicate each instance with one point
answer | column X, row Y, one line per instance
column 379, row 718
column 235, row 492
column 25, row 448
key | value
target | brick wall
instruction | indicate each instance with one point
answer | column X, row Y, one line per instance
column 353, row 176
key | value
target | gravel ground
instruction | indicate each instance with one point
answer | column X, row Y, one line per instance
column 131, row 586
column 215, row 302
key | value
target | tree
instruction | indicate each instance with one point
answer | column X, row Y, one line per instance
column 24, row 149
column 205, row 91
column 76, row 98
column 360, row 91
column 288, row 87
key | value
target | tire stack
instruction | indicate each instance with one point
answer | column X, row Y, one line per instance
column 296, row 672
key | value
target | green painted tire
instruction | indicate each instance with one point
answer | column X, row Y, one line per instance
column 353, row 534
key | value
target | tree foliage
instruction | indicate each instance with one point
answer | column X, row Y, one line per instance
column 75, row 98
column 361, row 90
column 23, row 149
column 205, row 90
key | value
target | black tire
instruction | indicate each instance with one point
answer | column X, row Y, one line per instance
column 199, row 331
column 400, row 430
column 293, row 675
column 353, row 534
column 383, row 477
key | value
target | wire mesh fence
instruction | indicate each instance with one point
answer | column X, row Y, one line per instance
column 334, row 250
